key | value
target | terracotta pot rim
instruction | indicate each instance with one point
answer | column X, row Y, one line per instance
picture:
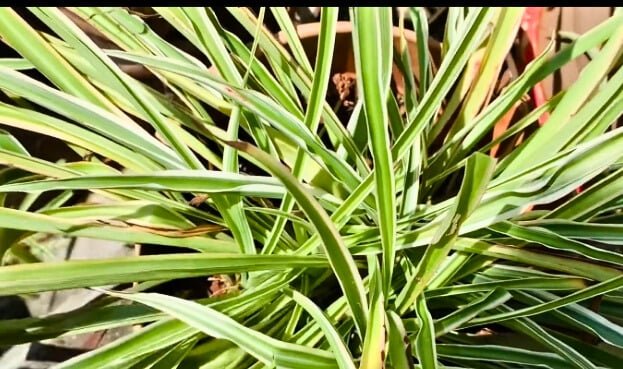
column 307, row 30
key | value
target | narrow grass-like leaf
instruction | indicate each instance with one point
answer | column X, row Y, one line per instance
column 373, row 355
column 102, row 228
column 267, row 349
column 539, row 334
column 143, row 101
column 591, row 120
column 173, row 357
column 425, row 347
column 326, row 43
column 46, row 168
column 501, row 40
column 443, row 81
column 478, row 171
column 580, row 207
column 595, row 290
column 599, row 354
column 16, row 63
column 128, row 350
column 176, row 180
column 339, row 349
column 298, row 52
column 416, row 157
column 439, row 87
column 573, row 266
column 91, row 318
column 537, row 70
column 531, row 283
column 372, row 73
column 552, row 240
column 17, row 32
column 339, row 257
column 229, row 205
column 504, row 354
column 271, row 112
column 290, row 73
column 419, row 18
column 607, row 233
column 105, row 123
column 399, row 346
column 543, row 144
column 275, row 52
column 29, row 278
column 44, row 124
column 594, row 322
column 10, row 143
column 578, row 166
column 454, row 320
column 131, row 349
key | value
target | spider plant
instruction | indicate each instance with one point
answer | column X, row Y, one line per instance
column 394, row 238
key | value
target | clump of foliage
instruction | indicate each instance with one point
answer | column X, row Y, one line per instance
column 393, row 239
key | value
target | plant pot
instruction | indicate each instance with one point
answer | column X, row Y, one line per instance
column 343, row 62
column 343, row 78
column 344, row 58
